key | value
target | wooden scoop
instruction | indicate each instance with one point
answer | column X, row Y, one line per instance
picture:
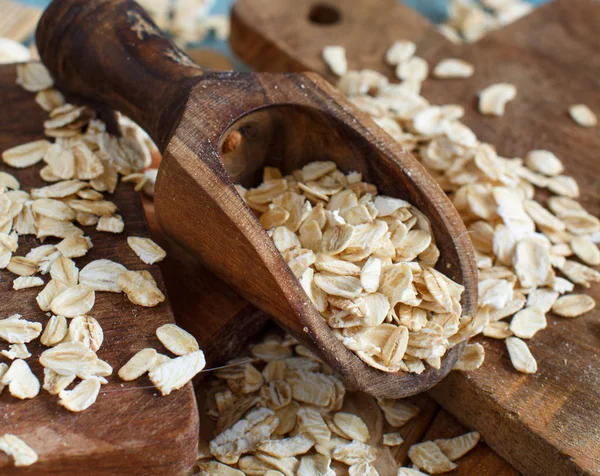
column 216, row 129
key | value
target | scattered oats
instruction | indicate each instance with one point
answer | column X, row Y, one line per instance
column 520, row 355
column 61, row 162
column 50, row 99
column 362, row 469
column 286, row 447
column 244, row 435
column 64, row 271
column 22, row 266
column 573, row 305
column 55, row 383
column 82, row 396
column 25, row 155
column 543, row 298
column 111, row 224
column 24, row 282
column 429, row 456
column 493, row 99
column 140, row 290
column 409, row 472
column 583, row 115
column 335, row 58
column 310, row 421
column 150, row 183
column 352, row 426
column 69, row 358
column 54, row 209
column 15, row 330
column 398, row 413
column 544, row 162
column 214, row 468
column 586, row 250
column 138, row 178
column 177, row 340
column 343, row 286
column 148, row 251
column 59, row 190
column 55, row 331
column 455, row 448
column 21, row 381
column 20, row 451
column 16, row 351
column 392, row 439
column 74, row 246
column 400, row 51
column 453, row 68
column 87, row 331
column 47, row 295
column 563, row 185
column 579, row 273
column 102, row 275
column 471, row 359
column 315, row 465
column 73, row 301
column 174, row 374
column 7, row 181
column 527, row 322
column 354, row 452
column 33, row 77
column 415, row 69
column 138, row 365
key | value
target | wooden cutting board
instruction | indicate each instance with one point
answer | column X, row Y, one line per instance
column 130, row 429
column 544, row 424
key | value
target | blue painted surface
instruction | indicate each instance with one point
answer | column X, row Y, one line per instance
column 435, row 10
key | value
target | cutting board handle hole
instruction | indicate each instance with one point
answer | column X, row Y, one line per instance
column 323, row 14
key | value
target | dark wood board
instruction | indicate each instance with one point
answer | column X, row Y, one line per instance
column 130, row 429
column 547, row 423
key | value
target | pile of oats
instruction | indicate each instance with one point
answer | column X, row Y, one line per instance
column 469, row 20
column 367, row 263
column 281, row 411
column 82, row 163
column 530, row 253
column 187, row 21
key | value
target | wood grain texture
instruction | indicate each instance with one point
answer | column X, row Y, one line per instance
column 125, row 431
column 285, row 120
column 546, row 423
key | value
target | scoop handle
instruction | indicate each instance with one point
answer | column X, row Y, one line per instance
column 110, row 53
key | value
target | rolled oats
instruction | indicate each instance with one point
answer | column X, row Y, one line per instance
column 16, row 330
column 177, row 340
column 73, row 301
column 55, row 331
column 25, row 282
column 453, row 68
column 21, row 381
column 429, row 456
column 493, row 99
column 148, row 251
column 335, row 58
column 520, row 355
column 455, row 448
column 573, row 305
column 583, row 115
column 20, row 451
column 82, row 396
column 174, row 374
